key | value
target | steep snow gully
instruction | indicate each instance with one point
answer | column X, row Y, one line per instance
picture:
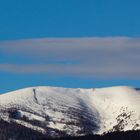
column 55, row 110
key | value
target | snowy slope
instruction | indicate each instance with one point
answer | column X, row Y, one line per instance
column 53, row 111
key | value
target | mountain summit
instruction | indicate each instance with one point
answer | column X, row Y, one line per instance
column 57, row 112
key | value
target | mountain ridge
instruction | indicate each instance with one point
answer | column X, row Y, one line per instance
column 58, row 111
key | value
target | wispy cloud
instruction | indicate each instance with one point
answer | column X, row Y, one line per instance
column 108, row 57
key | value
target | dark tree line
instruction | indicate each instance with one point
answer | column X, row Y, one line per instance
column 14, row 131
column 129, row 135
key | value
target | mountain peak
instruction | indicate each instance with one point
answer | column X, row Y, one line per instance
column 72, row 111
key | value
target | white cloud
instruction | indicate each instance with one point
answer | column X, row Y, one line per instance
column 106, row 57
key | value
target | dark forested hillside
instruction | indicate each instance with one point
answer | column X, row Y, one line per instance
column 129, row 135
column 15, row 131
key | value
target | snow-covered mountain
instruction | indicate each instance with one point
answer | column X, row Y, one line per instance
column 56, row 112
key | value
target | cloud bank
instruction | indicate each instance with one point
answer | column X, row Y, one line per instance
column 106, row 57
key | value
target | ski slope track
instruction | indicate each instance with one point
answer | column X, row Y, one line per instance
column 57, row 112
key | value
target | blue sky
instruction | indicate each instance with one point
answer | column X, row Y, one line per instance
column 30, row 29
